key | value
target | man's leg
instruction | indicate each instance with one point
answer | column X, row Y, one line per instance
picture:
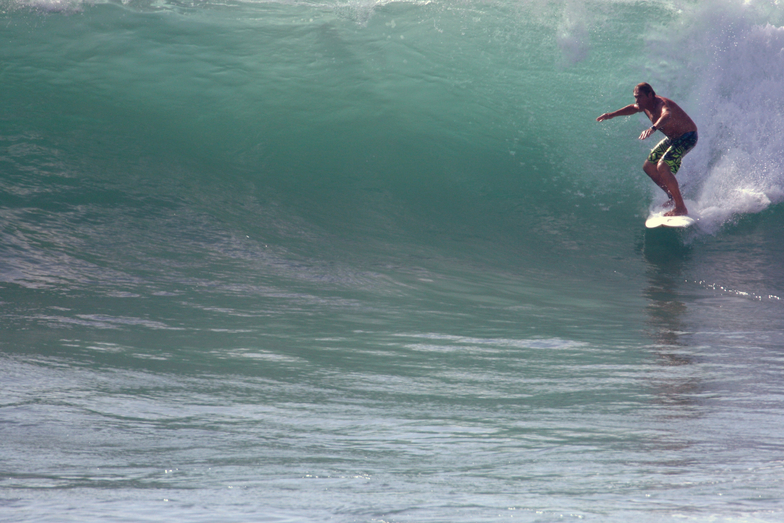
column 662, row 176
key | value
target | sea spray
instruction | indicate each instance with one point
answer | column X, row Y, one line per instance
column 725, row 65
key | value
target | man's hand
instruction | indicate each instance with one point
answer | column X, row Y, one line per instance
column 646, row 133
column 605, row 116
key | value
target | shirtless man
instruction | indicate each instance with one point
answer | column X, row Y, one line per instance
column 665, row 159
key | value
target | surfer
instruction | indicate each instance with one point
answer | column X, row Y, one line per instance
column 681, row 137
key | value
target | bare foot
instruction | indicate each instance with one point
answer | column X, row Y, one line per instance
column 677, row 212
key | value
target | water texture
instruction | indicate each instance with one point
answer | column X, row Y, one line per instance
column 377, row 262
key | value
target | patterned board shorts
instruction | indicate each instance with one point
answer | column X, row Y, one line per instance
column 672, row 152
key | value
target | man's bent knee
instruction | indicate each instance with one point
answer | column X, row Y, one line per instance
column 665, row 168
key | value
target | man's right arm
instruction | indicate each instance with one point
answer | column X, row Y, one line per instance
column 624, row 111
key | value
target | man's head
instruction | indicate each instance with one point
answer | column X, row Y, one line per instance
column 645, row 88
column 644, row 94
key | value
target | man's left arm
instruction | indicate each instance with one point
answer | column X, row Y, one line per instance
column 657, row 125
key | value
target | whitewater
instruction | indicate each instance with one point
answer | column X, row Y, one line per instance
column 376, row 261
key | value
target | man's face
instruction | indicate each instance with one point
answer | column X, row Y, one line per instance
column 641, row 99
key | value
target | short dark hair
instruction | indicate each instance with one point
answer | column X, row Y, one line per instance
column 646, row 89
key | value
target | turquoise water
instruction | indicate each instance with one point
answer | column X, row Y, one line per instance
column 377, row 262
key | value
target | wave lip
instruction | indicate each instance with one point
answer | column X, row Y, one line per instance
column 51, row 6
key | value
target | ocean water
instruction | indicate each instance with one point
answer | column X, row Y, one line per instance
column 375, row 261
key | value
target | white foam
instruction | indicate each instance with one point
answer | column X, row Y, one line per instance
column 731, row 81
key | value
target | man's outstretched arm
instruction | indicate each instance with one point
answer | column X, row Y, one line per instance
column 624, row 111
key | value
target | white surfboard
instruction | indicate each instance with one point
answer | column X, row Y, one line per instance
column 656, row 217
column 659, row 220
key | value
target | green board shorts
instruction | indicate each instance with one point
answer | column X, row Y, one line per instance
column 672, row 152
